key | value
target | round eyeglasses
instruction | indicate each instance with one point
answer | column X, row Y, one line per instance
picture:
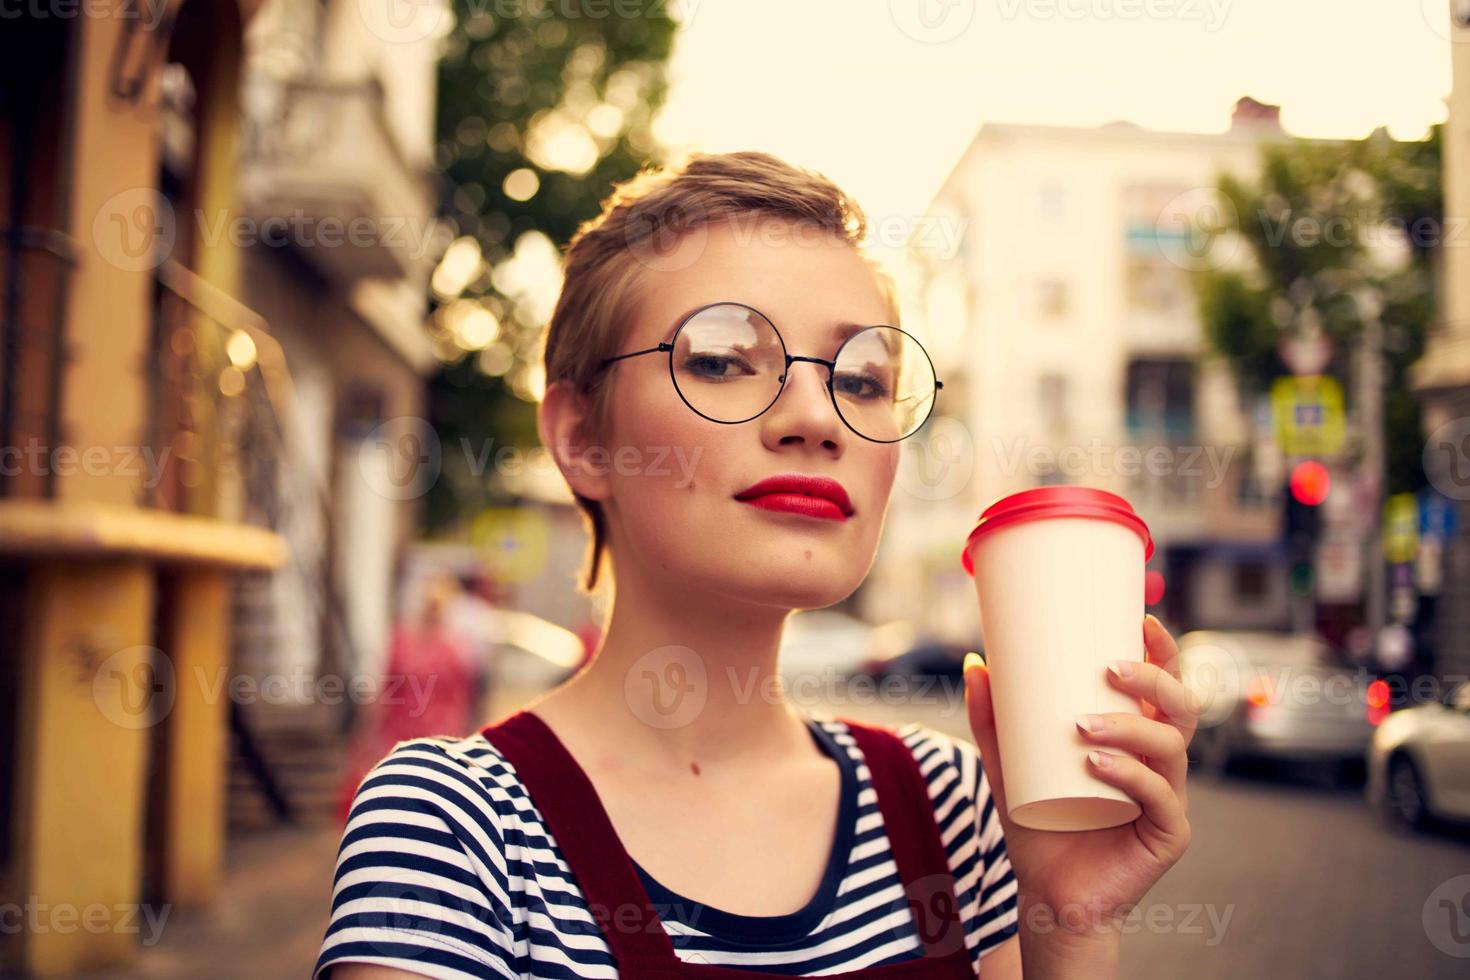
column 729, row 364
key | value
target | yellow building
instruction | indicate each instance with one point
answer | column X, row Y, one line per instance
column 147, row 415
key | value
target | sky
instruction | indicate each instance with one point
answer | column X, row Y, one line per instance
column 883, row 96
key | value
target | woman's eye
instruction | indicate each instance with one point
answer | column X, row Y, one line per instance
column 863, row 387
column 716, row 366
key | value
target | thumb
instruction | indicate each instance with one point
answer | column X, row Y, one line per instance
column 982, row 726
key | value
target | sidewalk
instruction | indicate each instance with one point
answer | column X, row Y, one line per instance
column 267, row 922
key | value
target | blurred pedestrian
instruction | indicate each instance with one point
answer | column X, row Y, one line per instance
column 427, row 688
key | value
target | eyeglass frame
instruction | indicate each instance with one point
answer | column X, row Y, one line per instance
column 668, row 346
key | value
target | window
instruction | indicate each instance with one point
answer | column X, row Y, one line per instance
column 1052, row 393
column 1160, row 398
column 1052, row 298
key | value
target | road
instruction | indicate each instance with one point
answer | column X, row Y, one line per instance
column 1286, row 878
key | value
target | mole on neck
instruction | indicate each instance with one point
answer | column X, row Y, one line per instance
column 694, row 768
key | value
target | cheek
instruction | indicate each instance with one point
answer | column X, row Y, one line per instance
column 663, row 454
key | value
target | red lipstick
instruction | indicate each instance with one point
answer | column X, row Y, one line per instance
column 798, row 493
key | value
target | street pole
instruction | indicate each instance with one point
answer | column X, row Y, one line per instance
column 1371, row 473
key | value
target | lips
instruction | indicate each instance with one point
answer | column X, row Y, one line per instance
column 816, row 496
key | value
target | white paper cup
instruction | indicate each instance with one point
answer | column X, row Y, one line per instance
column 1059, row 575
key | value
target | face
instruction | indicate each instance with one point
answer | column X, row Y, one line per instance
column 675, row 510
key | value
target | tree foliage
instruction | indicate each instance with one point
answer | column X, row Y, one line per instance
column 568, row 93
column 1319, row 224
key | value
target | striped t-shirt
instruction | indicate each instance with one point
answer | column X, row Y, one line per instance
column 446, row 869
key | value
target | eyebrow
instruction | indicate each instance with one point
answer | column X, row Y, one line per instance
column 841, row 330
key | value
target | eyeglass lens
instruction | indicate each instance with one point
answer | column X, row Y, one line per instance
column 728, row 360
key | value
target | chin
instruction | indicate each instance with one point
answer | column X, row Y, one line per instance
column 784, row 584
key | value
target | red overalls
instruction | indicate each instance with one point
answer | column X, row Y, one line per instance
column 568, row 802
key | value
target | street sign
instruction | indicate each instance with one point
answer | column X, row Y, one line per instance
column 1401, row 527
column 1309, row 416
column 1437, row 517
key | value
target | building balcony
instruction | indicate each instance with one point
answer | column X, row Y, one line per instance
column 323, row 172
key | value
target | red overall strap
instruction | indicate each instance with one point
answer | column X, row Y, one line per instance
column 913, row 833
column 570, row 806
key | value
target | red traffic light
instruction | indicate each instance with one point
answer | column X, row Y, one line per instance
column 1310, row 482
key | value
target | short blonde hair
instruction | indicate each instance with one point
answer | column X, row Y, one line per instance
column 641, row 219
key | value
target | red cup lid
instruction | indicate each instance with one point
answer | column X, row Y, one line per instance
column 1059, row 501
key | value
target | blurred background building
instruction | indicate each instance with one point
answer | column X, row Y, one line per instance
column 1443, row 377
column 1069, row 340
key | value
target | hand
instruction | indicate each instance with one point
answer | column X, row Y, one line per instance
column 1086, row 882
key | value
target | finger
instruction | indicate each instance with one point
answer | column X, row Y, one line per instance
column 1162, row 649
column 1161, row 745
column 1171, row 701
column 1161, row 805
column 982, row 726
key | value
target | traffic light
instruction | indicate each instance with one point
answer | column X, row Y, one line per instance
column 1306, row 489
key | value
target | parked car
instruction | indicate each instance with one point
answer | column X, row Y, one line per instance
column 927, row 659
column 1419, row 761
column 1270, row 695
column 823, row 645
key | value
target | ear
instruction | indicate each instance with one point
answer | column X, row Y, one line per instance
column 563, row 420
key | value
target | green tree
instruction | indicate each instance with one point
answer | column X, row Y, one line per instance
column 1320, row 222
column 542, row 106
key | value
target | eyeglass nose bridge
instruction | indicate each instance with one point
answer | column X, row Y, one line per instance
column 793, row 358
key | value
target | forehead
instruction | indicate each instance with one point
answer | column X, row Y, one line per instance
column 808, row 281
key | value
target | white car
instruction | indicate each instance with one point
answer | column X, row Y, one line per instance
column 1419, row 761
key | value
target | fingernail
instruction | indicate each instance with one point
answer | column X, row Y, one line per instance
column 1121, row 668
column 1100, row 759
column 972, row 660
column 1192, row 701
column 1090, row 723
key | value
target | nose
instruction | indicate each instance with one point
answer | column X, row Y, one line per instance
column 804, row 412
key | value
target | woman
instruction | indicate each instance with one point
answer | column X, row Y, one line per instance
column 668, row 811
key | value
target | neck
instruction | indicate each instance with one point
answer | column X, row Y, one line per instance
column 686, row 674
